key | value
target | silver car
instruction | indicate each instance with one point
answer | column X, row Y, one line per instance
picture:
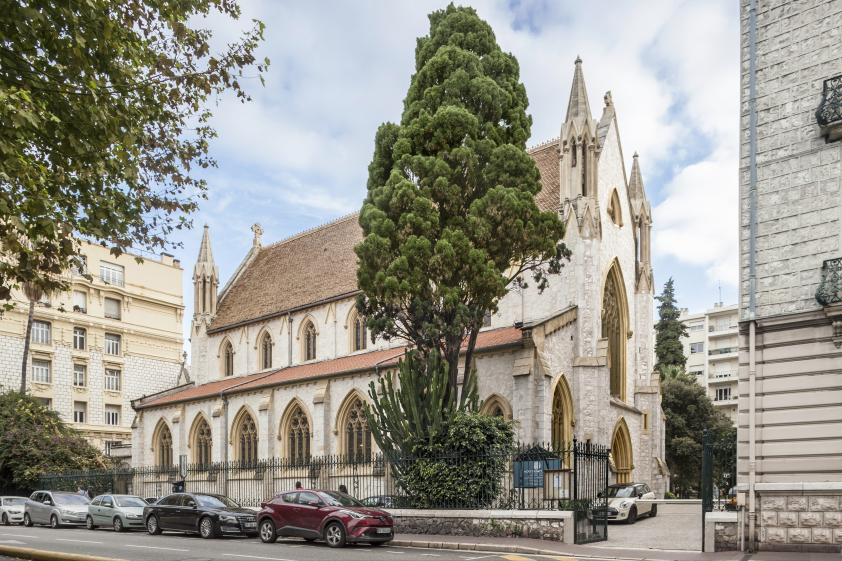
column 121, row 512
column 11, row 510
column 56, row 508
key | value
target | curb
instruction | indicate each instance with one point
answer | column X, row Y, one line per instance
column 490, row 547
column 41, row 555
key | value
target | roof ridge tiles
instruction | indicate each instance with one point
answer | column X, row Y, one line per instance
column 543, row 144
column 312, row 230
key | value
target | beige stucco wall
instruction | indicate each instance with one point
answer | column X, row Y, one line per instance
column 150, row 329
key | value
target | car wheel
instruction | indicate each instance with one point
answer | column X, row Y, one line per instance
column 89, row 523
column 654, row 512
column 27, row 521
column 118, row 524
column 54, row 522
column 152, row 525
column 632, row 518
column 335, row 534
column 5, row 520
column 267, row 531
column 206, row 529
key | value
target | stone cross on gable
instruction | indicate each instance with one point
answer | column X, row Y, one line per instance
column 258, row 232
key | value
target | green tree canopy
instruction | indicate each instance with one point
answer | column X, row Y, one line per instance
column 689, row 411
column 450, row 220
column 104, row 123
column 34, row 441
column 669, row 330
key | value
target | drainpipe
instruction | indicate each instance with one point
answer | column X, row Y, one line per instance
column 752, row 262
column 289, row 346
column 224, row 442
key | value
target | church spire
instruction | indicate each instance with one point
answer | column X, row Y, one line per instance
column 578, row 108
column 205, row 279
column 637, row 192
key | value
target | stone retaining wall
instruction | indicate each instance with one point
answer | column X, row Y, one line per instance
column 793, row 522
column 545, row 525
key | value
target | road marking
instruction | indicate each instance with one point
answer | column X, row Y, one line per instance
column 430, row 555
column 561, row 558
column 153, row 547
column 18, row 535
column 517, row 558
column 480, row 557
column 77, row 541
column 255, row 557
column 13, row 542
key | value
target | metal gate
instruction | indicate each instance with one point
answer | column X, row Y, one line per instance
column 718, row 471
column 590, row 497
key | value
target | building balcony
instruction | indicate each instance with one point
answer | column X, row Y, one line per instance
column 727, row 402
column 830, row 287
column 720, row 331
column 722, row 353
column 829, row 113
column 722, row 377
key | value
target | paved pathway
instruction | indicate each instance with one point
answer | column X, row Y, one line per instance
column 676, row 526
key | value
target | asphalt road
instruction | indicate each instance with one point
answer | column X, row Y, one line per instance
column 140, row 546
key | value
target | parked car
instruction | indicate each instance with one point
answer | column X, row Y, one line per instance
column 56, row 508
column 121, row 512
column 210, row 516
column 11, row 510
column 624, row 502
column 151, row 500
column 315, row 514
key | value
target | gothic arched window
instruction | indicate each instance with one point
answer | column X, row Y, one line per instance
column 615, row 329
column 202, row 443
column 297, row 432
column 359, row 332
column 228, row 359
column 614, row 211
column 496, row 406
column 163, row 446
column 357, row 433
column 246, row 439
column 266, row 351
column 309, row 332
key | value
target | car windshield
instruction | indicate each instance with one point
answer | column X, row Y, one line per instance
column 71, row 500
column 11, row 502
column 339, row 499
column 129, row 501
column 216, row 501
column 620, row 492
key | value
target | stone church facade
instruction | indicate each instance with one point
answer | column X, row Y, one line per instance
column 281, row 361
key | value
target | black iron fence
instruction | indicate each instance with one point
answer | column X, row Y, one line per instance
column 530, row 477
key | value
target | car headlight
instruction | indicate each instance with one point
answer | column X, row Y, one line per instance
column 353, row 514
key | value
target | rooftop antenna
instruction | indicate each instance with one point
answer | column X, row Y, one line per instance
column 720, row 293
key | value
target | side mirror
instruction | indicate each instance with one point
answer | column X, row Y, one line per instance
column 191, row 504
column 640, row 495
column 262, row 505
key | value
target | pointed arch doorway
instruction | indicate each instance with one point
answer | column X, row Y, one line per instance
column 622, row 455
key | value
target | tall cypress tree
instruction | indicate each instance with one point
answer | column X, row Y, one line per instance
column 450, row 220
column 669, row 330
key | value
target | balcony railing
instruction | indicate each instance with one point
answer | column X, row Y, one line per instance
column 830, row 287
column 723, row 375
column 829, row 113
column 722, row 351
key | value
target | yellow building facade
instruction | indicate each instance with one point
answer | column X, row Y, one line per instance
column 114, row 336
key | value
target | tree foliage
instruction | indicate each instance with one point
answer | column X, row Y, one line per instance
column 104, row 119
column 34, row 441
column 669, row 330
column 450, row 220
column 689, row 411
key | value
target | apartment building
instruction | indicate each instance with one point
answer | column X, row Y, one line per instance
column 711, row 348
column 111, row 338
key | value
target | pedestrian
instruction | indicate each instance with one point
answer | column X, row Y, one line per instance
column 298, row 485
column 82, row 492
column 343, row 489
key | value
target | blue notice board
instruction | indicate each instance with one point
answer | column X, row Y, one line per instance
column 530, row 473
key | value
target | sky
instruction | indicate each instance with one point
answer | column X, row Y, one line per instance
column 296, row 156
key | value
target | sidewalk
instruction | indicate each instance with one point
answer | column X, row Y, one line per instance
column 544, row 547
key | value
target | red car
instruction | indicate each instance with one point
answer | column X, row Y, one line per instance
column 334, row 517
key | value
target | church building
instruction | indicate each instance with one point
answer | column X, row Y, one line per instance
column 281, row 360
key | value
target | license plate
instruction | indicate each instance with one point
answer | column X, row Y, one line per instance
column 250, row 525
column 384, row 530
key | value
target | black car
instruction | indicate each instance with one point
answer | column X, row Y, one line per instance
column 211, row 516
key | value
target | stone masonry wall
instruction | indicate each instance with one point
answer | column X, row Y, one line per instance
column 791, row 521
column 545, row 529
column 798, row 175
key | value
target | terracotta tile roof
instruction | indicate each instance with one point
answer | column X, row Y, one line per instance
column 320, row 264
column 546, row 158
column 363, row 362
column 310, row 267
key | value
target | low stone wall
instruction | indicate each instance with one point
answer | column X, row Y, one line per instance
column 545, row 525
column 722, row 531
column 800, row 517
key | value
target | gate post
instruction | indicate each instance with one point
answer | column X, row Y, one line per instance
column 706, row 483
